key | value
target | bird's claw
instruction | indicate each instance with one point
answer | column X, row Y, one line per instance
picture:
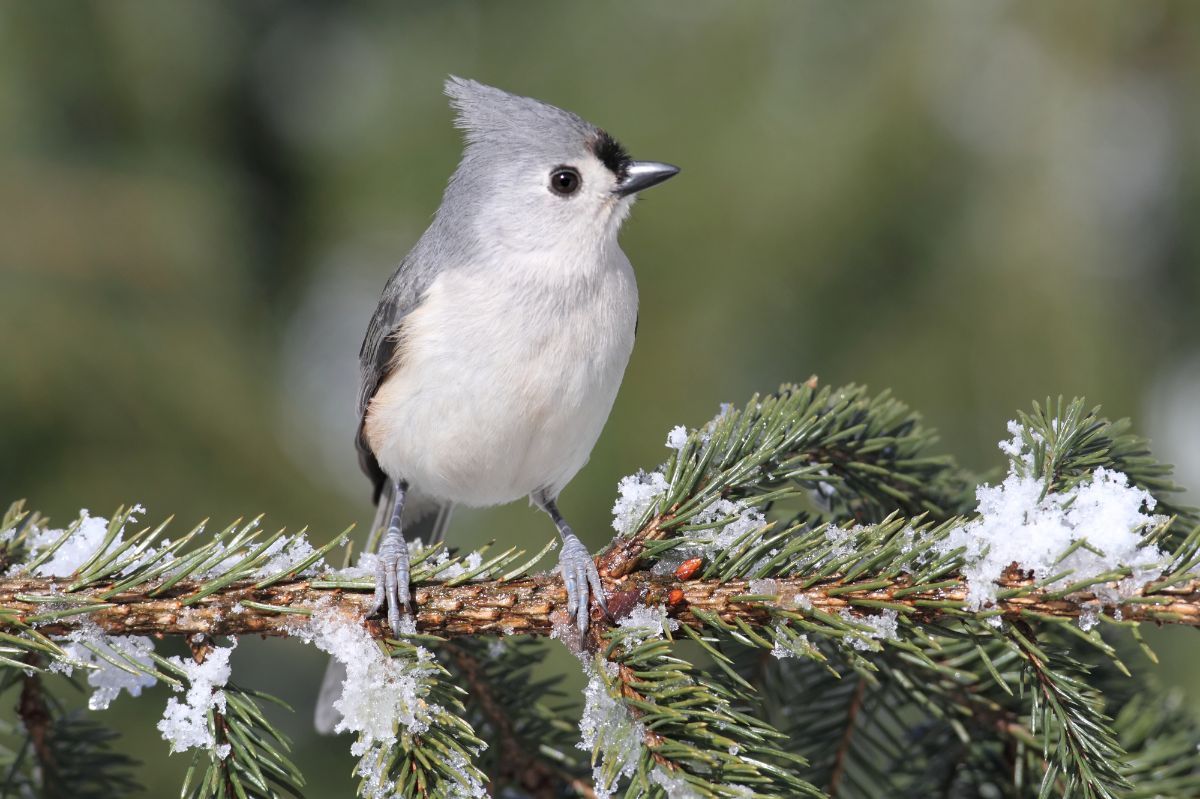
column 392, row 578
column 582, row 580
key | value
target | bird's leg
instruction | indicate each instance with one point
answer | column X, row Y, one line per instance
column 577, row 567
column 391, row 566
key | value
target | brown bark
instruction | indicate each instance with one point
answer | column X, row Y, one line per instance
column 531, row 605
column 39, row 724
column 839, row 759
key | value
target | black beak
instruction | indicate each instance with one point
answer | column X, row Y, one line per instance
column 642, row 175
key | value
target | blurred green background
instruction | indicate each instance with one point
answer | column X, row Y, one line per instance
column 975, row 204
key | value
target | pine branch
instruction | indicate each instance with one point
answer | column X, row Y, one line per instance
column 1086, row 754
column 536, row 605
column 862, row 456
column 655, row 719
column 811, row 524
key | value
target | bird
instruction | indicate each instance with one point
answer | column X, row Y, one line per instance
column 494, row 356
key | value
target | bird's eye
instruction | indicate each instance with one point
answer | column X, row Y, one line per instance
column 565, row 181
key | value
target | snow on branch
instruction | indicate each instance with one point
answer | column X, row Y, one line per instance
column 812, row 524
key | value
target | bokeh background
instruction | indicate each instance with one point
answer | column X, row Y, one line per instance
column 975, row 205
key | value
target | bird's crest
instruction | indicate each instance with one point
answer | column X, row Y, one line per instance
column 488, row 115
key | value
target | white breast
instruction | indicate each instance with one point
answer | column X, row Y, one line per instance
column 505, row 380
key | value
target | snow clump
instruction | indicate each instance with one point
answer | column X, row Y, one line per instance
column 1016, row 524
column 381, row 697
column 642, row 492
column 80, row 547
column 287, row 553
column 185, row 724
column 379, row 692
column 731, row 519
column 637, row 494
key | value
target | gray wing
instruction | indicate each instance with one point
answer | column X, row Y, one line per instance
column 377, row 356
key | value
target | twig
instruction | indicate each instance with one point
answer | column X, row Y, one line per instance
column 37, row 720
column 839, row 760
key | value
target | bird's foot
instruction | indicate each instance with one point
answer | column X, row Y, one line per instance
column 392, row 578
column 581, row 579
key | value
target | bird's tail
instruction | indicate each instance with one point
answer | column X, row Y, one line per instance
column 327, row 716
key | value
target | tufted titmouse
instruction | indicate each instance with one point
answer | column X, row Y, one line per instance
column 493, row 359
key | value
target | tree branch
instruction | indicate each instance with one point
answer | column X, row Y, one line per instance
column 839, row 760
column 38, row 723
column 535, row 775
column 531, row 605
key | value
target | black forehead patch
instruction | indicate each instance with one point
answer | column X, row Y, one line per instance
column 611, row 154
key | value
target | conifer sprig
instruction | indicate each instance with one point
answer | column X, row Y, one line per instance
column 437, row 758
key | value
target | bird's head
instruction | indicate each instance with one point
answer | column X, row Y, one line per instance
column 534, row 177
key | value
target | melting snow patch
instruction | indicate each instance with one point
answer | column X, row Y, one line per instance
column 107, row 679
column 1089, row 615
column 733, row 518
column 783, row 632
column 841, row 541
column 882, row 627
column 469, row 564
column 375, row 785
column 763, row 587
column 606, row 728
column 706, row 432
column 674, row 784
column 648, row 622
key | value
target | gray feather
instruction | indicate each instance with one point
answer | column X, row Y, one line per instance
column 376, row 357
column 326, row 716
column 401, row 296
column 490, row 115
